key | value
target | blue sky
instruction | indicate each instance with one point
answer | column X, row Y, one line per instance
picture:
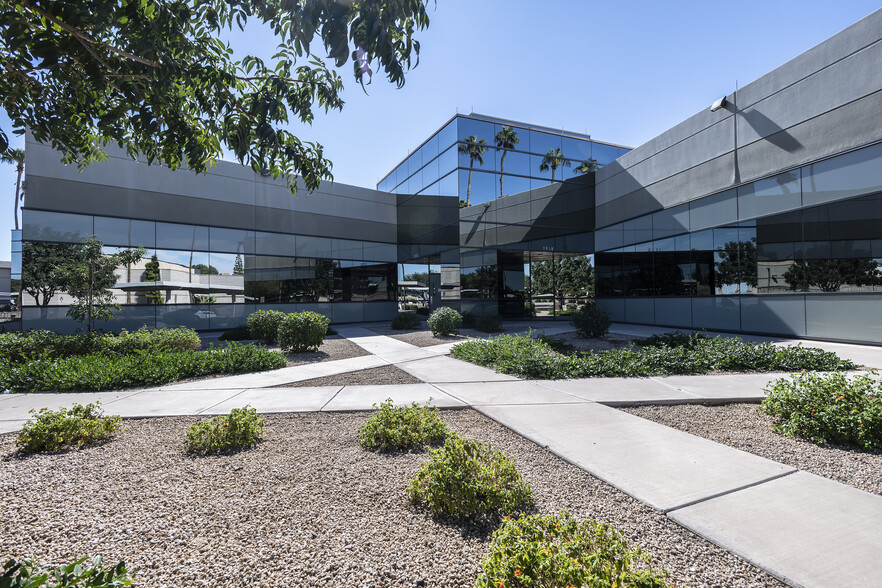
column 622, row 71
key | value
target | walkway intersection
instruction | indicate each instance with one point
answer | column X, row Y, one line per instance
column 808, row 531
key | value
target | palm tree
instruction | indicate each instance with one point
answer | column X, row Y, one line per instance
column 506, row 139
column 475, row 149
column 16, row 156
column 553, row 160
column 589, row 165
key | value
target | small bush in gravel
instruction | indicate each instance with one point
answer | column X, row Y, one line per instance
column 143, row 368
column 527, row 357
column 264, row 325
column 560, row 551
column 82, row 573
column 675, row 339
column 490, row 323
column 467, row 479
column 302, row 331
column 402, row 428
column 51, row 430
column 445, row 321
column 828, row 408
column 591, row 321
column 237, row 333
column 241, row 428
column 405, row 320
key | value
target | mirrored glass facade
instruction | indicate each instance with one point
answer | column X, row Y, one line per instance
column 506, row 158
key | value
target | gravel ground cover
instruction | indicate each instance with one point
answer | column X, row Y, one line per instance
column 306, row 507
column 744, row 427
column 611, row 341
column 383, row 375
column 332, row 349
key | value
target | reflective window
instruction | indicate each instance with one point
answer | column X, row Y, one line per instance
column 125, row 232
column 231, row 240
column 479, row 129
column 516, row 162
column 483, row 186
column 448, row 160
column 274, row 243
column 541, row 143
column 714, row 210
column 851, row 174
column 228, row 284
column 776, row 194
column 188, row 237
column 184, row 275
column 576, row 149
column 313, row 246
column 609, row 237
column 447, row 136
column 604, row 153
column 637, row 230
column 55, row 226
column 449, row 185
column 672, row 221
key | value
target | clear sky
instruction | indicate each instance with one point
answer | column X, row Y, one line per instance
column 622, row 71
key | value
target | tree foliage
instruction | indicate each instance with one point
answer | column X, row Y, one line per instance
column 153, row 76
column 565, row 277
column 17, row 158
column 587, row 166
column 151, row 274
column 474, row 148
column 829, row 275
column 506, row 139
column 42, row 268
column 203, row 269
column 737, row 263
column 553, row 159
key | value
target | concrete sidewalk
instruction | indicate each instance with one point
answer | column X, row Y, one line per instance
column 806, row 530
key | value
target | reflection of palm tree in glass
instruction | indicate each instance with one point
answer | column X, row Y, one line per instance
column 474, row 148
column 506, row 139
column 589, row 165
column 16, row 156
column 553, row 160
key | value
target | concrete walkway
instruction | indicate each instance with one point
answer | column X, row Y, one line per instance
column 806, row 530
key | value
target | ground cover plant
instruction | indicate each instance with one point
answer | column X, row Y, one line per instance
column 19, row 347
column 302, row 331
column 99, row 371
column 81, row 573
column 529, row 357
column 444, row 321
column 828, row 408
column 240, row 429
column 404, row 321
column 466, row 480
column 402, row 428
column 548, row 550
column 672, row 339
column 51, row 430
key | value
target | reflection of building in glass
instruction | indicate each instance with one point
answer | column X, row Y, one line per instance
column 763, row 218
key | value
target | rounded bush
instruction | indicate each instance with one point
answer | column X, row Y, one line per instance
column 405, row 320
column 264, row 325
column 445, row 321
column 302, row 331
column 560, row 551
column 591, row 321
column 469, row 479
column 403, row 428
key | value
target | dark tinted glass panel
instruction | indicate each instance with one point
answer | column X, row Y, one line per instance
column 231, row 240
column 52, row 226
column 274, row 244
column 125, row 232
column 174, row 236
column 672, row 221
column 771, row 195
column 848, row 175
column 637, row 230
column 637, row 270
column 715, row 210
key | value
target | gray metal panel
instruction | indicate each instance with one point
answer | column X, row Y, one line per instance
column 780, row 315
column 380, row 311
column 851, row 317
column 673, row 312
column 614, row 306
column 716, row 312
column 640, row 310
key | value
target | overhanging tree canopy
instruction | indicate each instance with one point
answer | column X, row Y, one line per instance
column 153, row 77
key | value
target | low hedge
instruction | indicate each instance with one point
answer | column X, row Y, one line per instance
column 51, row 430
column 141, row 368
column 828, row 408
column 302, row 331
column 20, row 347
column 526, row 357
column 402, row 428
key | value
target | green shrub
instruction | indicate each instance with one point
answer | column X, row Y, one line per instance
column 490, row 323
column 302, row 331
column 264, row 325
column 19, row 347
column 142, row 368
column 403, row 428
column 559, row 551
column 241, row 428
column 51, row 430
column 555, row 343
column 675, row 339
column 445, row 321
column 530, row 308
column 237, row 333
column 467, row 479
column 828, row 408
column 591, row 321
column 405, row 320
column 82, row 573
column 527, row 357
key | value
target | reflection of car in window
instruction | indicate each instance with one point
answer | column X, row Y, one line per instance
column 204, row 314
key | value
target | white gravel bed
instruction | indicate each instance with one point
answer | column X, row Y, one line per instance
column 744, row 427
column 378, row 376
column 306, row 507
column 331, row 349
